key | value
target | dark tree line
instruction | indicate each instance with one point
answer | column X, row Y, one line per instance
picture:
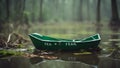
column 44, row 9
column 19, row 12
column 11, row 13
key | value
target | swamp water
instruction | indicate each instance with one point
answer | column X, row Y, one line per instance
column 65, row 60
column 37, row 62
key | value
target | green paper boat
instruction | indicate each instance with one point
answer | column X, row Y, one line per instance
column 42, row 42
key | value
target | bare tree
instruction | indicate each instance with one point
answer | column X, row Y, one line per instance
column 88, row 9
column 80, row 11
column 41, row 11
column 7, row 10
column 98, row 17
column 114, row 26
column 114, row 23
column 33, row 10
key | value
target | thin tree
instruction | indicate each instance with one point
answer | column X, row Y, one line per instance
column 81, row 7
column 88, row 10
column 98, row 17
column 4, row 16
column 1, row 16
column 74, row 9
column 23, row 8
column 63, row 9
column 41, row 11
column 33, row 10
column 114, row 23
column 114, row 26
column 19, row 7
column 7, row 10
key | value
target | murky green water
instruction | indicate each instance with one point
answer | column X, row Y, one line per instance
column 36, row 62
column 88, row 61
column 64, row 60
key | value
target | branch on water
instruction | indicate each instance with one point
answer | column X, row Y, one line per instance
column 13, row 40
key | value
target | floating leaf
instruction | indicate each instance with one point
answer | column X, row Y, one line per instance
column 83, row 53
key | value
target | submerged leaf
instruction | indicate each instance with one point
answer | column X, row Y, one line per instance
column 83, row 53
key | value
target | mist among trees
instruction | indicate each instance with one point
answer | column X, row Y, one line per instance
column 17, row 13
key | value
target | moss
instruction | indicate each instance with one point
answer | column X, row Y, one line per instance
column 10, row 52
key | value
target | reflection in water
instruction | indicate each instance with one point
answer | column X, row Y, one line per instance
column 91, row 59
column 15, row 62
column 107, row 62
column 69, row 60
column 63, row 62
column 79, row 61
column 35, row 60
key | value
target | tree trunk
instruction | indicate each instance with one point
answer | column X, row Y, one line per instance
column 19, row 10
column 1, row 16
column 4, row 16
column 81, row 7
column 114, row 23
column 22, row 17
column 74, row 9
column 7, row 10
column 63, row 10
column 88, row 10
column 41, row 11
column 114, row 10
column 33, row 10
column 98, row 18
